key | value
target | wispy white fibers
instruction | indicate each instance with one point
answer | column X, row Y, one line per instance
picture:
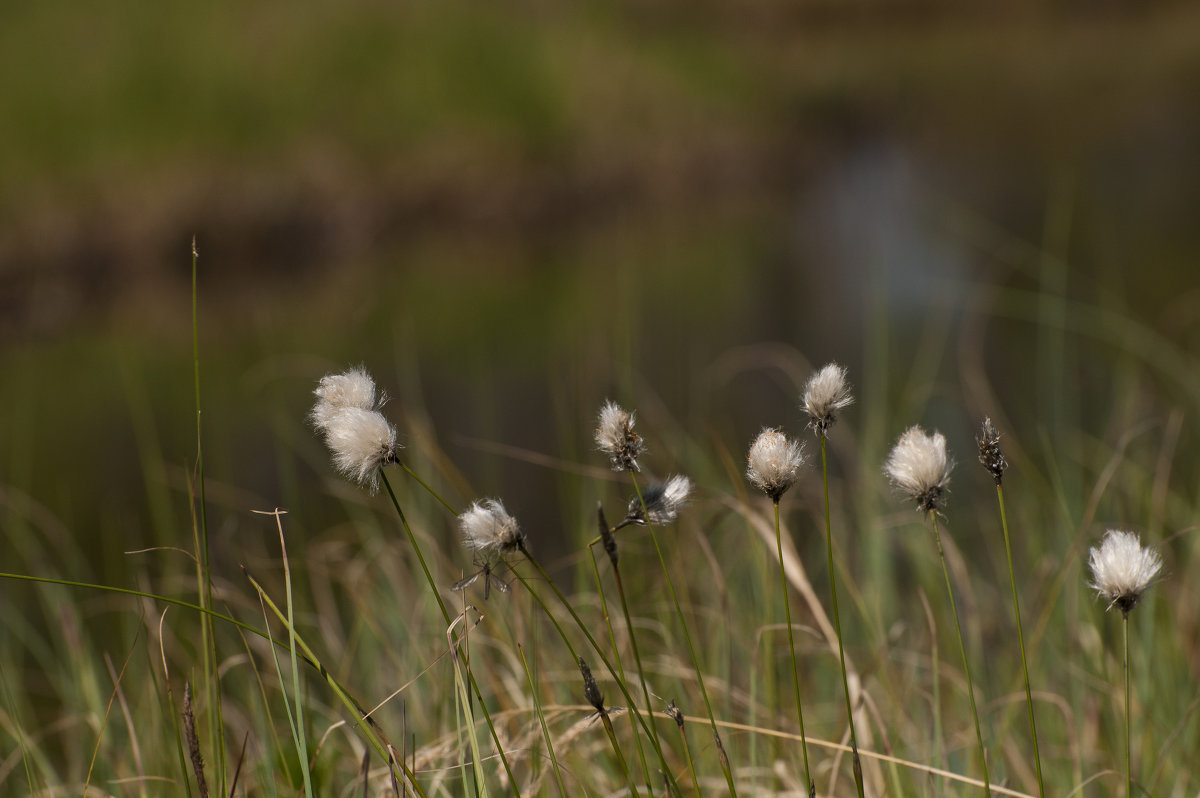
column 773, row 463
column 357, row 434
column 825, row 393
column 1122, row 569
column 919, row 468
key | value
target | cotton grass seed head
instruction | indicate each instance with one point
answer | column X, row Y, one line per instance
column 487, row 527
column 774, row 462
column 1122, row 569
column 919, row 468
column 616, row 438
column 353, row 388
column 989, row 451
column 361, row 442
column 663, row 502
column 825, row 393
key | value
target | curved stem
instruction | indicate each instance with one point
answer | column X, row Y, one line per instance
column 1037, row 756
column 412, row 539
column 612, row 638
column 787, row 611
column 962, row 647
column 837, row 622
column 1128, row 747
column 686, row 635
column 595, row 647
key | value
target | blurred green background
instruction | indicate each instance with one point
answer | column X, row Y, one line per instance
column 511, row 213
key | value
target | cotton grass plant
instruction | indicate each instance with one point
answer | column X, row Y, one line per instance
column 773, row 465
column 919, row 468
column 1122, row 570
column 826, row 394
column 269, row 670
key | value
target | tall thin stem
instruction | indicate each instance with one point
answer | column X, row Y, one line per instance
column 1037, row 756
column 595, row 647
column 412, row 539
column 612, row 637
column 837, row 622
column 1128, row 747
column 787, row 611
column 712, row 719
column 962, row 647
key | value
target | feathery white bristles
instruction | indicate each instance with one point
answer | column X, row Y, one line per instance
column 825, row 393
column 773, row 462
column 663, row 502
column 615, row 437
column 347, row 414
column 919, row 467
column 361, row 441
column 1122, row 569
column 354, row 388
column 486, row 527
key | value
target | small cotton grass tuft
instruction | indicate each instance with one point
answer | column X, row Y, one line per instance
column 663, row 502
column 359, row 437
column 361, row 441
column 353, row 388
column 919, row 468
column 1122, row 569
column 825, row 393
column 615, row 437
column 773, row 463
column 487, row 527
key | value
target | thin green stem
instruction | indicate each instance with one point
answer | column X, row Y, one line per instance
column 537, row 706
column 1128, row 746
column 368, row 727
column 612, row 637
column 687, row 754
column 412, row 539
column 686, row 634
column 1037, row 755
column 787, row 611
column 837, row 622
column 612, row 739
column 212, row 679
column 298, row 730
column 595, row 647
column 962, row 647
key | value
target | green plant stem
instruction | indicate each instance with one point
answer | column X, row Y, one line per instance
column 298, row 730
column 1037, row 756
column 212, row 679
column 537, row 706
column 837, row 623
column 612, row 739
column 374, row 734
column 787, row 611
column 1128, row 714
column 687, row 754
column 412, row 539
column 712, row 719
column 962, row 647
column 595, row 647
column 637, row 738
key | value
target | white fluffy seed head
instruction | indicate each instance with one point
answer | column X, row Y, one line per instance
column 361, row 441
column 487, row 527
column 353, row 388
column 1122, row 569
column 663, row 502
column 919, row 468
column 825, row 393
column 773, row 463
column 615, row 437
